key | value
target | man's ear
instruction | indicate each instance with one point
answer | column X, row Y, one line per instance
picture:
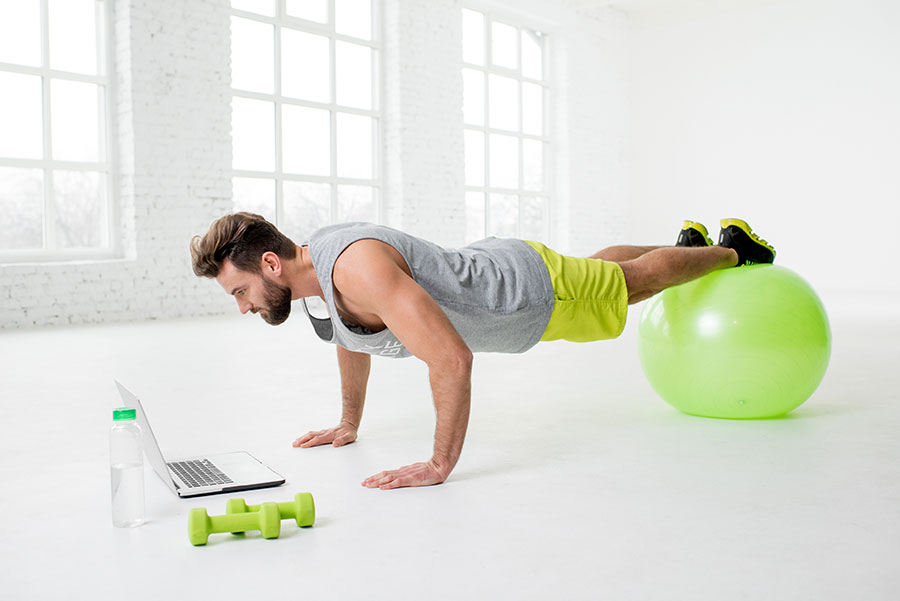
column 271, row 264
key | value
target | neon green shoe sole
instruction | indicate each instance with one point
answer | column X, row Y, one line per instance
column 693, row 234
column 751, row 249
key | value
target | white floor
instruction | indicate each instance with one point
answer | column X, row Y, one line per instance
column 576, row 482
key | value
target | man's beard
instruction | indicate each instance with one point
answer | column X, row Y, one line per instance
column 278, row 303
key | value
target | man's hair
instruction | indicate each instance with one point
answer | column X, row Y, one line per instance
column 241, row 238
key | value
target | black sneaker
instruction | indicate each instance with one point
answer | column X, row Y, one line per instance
column 693, row 234
column 751, row 250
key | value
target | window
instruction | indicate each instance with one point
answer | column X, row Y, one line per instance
column 305, row 111
column 55, row 164
column 507, row 142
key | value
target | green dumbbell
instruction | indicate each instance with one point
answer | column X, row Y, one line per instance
column 200, row 525
column 302, row 509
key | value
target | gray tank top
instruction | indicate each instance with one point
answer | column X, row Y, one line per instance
column 496, row 292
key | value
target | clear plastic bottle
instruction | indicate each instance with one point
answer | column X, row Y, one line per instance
column 126, row 461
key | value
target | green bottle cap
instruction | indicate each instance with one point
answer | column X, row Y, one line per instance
column 124, row 413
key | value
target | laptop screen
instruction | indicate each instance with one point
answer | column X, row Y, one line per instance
column 151, row 448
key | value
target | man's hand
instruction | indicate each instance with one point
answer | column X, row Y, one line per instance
column 343, row 434
column 417, row 474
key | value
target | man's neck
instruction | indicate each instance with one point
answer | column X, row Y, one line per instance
column 301, row 275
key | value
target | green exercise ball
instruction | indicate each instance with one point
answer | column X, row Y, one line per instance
column 742, row 343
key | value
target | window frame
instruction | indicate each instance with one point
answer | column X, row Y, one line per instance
column 111, row 244
column 548, row 191
column 278, row 175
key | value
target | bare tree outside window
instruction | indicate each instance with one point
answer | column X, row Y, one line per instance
column 55, row 165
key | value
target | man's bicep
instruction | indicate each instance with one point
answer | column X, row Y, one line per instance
column 414, row 317
column 372, row 279
column 419, row 323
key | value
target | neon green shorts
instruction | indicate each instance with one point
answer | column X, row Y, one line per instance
column 591, row 299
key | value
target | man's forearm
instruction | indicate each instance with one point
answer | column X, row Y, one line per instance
column 451, row 385
column 354, row 369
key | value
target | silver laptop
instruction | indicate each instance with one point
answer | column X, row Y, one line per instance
column 205, row 475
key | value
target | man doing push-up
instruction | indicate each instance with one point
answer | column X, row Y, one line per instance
column 394, row 295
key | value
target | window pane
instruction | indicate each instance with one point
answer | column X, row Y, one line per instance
column 260, row 7
column 21, row 118
column 473, row 97
column 252, row 55
column 504, row 45
column 475, row 207
column 532, row 109
column 80, row 200
column 20, row 32
column 354, row 145
column 311, row 10
column 532, row 54
column 504, row 213
column 254, row 195
column 533, row 164
column 305, row 66
column 354, row 75
column 473, row 37
column 253, row 134
column 74, row 42
column 474, row 156
column 503, row 103
column 21, row 208
column 353, row 18
column 75, row 117
column 534, row 218
column 356, row 203
column 504, row 164
column 307, row 207
column 306, row 140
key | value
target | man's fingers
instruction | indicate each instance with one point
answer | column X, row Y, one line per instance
column 393, row 484
column 374, row 481
column 306, row 437
column 393, row 479
column 302, row 439
column 318, row 440
column 311, row 439
column 337, row 436
column 419, row 474
column 411, row 475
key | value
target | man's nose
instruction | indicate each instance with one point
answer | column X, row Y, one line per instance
column 244, row 306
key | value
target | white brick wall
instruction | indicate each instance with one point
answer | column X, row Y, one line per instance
column 174, row 149
column 423, row 129
column 591, row 125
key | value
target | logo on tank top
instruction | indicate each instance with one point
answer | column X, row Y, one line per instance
column 388, row 349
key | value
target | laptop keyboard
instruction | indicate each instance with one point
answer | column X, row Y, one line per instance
column 199, row 472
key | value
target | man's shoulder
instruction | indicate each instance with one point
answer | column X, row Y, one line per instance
column 348, row 230
column 328, row 244
column 356, row 242
column 367, row 270
column 364, row 249
column 365, row 254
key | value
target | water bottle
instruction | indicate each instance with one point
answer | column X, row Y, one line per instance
column 126, row 461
